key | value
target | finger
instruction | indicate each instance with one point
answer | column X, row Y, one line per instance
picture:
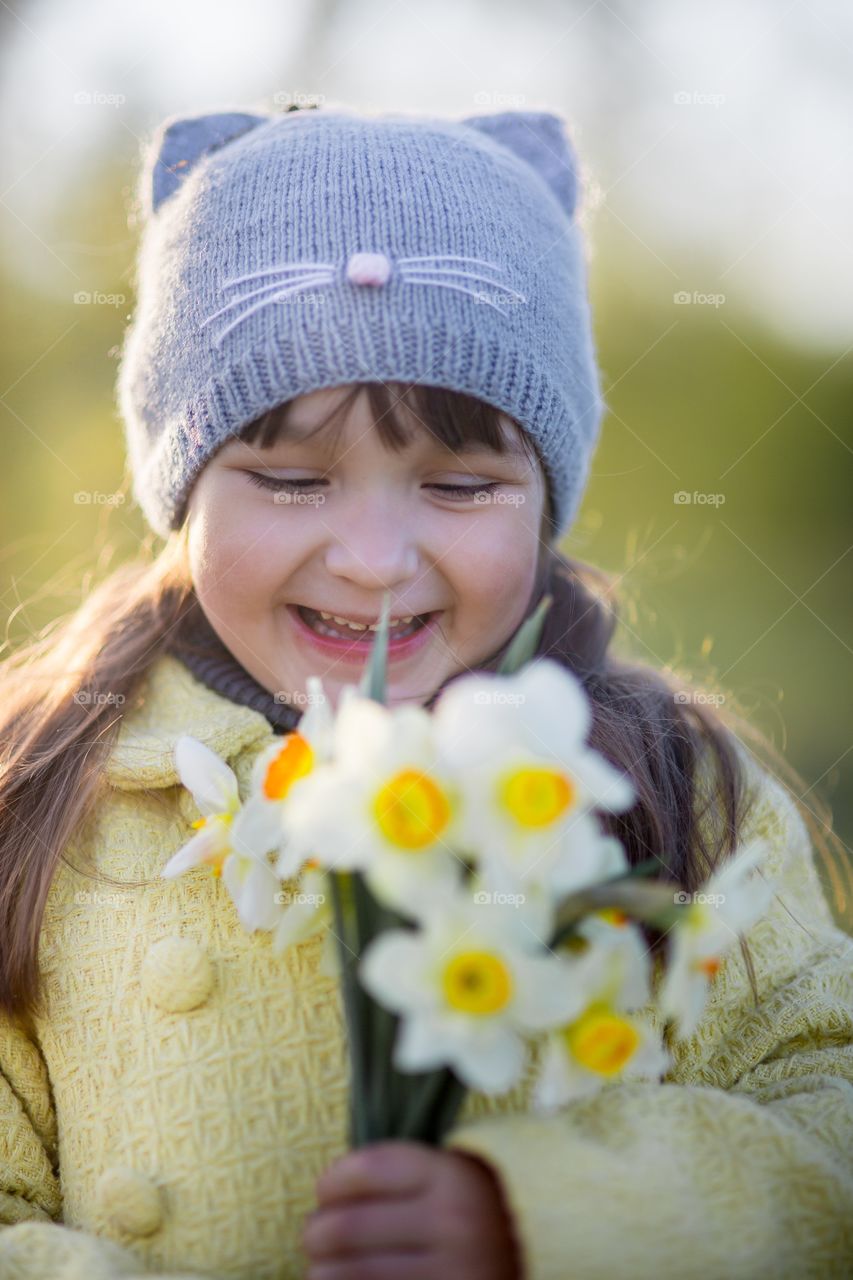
column 376, row 1266
column 380, row 1169
column 365, row 1226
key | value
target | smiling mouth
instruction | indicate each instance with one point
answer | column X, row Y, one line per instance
column 328, row 626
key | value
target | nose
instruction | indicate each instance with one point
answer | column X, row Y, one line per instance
column 373, row 551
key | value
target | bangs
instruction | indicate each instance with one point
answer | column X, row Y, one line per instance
column 461, row 422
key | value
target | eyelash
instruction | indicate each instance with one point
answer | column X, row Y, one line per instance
column 295, row 486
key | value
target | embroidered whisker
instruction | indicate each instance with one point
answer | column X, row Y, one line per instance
column 280, row 270
column 444, row 284
column 449, row 257
column 267, row 302
column 469, row 275
column 274, row 288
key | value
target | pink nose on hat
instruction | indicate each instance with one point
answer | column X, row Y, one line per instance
column 368, row 268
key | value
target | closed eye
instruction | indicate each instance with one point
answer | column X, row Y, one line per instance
column 454, row 491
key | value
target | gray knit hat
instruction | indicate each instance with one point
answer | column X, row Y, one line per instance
column 284, row 252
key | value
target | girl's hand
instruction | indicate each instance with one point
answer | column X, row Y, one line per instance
column 395, row 1210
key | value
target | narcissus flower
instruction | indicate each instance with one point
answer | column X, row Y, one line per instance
column 382, row 805
column 469, row 985
column 280, row 767
column 213, row 786
column 606, row 1041
column 221, row 841
column 306, row 909
column 713, row 919
column 529, row 785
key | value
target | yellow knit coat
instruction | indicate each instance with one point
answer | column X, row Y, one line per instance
column 170, row 1113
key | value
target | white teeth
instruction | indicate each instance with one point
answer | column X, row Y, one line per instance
column 363, row 626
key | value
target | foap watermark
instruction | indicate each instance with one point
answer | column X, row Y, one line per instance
column 696, row 98
column 95, row 698
column 93, row 498
column 92, row 298
column 299, row 499
column 696, row 298
column 682, row 899
column 291, row 98
column 496, row 696
column 682, row 498
column 300, row 299
column 96, row 98
column 97, row 898
column 483, row 896
column 499, row 98
column 696, row 697
column 497, row 298
column 507, row 499
column 297, row 698
column 286, row 899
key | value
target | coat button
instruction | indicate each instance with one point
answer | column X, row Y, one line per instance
column 177, row 974
column 130, row 1201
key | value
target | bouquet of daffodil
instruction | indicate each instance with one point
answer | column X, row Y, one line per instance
column 471, row 900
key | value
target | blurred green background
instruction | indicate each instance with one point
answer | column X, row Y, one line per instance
column 747, row 396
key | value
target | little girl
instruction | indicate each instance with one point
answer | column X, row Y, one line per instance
column 362, row 362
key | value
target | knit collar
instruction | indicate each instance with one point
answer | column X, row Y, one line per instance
column 200, row 649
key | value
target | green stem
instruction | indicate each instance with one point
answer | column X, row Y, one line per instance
column 425, row 1092
column 449, row 1105
column 348, row 949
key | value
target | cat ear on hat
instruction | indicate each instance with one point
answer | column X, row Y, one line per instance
column 541, row 139
column 180, row 142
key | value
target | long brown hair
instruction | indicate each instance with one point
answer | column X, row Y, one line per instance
column 63, row 695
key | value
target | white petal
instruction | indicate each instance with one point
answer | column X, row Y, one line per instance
column 257, row 827
column 362, row 732
column 552, row 1088
column 392, row 969
column 651, row 1059
column 327, row 813
column 587, row 857
column 489, row 1057
column 550, row 991
column 317, row 722
column 604, row 786
column 414, row 884
column 419, row 1045
column 561, row 1078
column 210, row 780
column 193, row 853
column 556, row 706
column 298, row 921
column 253, row 886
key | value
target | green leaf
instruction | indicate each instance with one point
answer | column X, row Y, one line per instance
column 526, row 639
column 652, row 903
column 373, row 680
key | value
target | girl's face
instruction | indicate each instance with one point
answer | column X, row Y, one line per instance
column 371, row 519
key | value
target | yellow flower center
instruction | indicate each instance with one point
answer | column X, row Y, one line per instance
column 411, row 810
column 293, row 761
column 477, row 982
column 215, row 859
column 612, row 915
column 536, row 796
column 601, row 1040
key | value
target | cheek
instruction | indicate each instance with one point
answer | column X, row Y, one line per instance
column 239, row 552
column 495, row 568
